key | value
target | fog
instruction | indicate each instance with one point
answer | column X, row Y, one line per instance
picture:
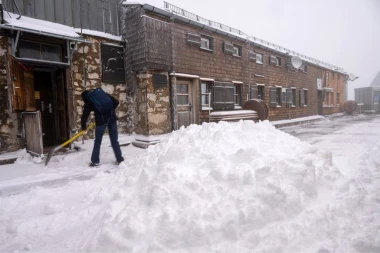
column 344, row 33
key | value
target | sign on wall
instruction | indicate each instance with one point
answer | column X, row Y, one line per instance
column 319, row 84
column 112, row 63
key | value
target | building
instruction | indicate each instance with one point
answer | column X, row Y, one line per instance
column 185, row 66
column 50, row 51
column 168, row 67
column 368, row 98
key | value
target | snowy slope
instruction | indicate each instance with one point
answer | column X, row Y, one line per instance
column 226, row 187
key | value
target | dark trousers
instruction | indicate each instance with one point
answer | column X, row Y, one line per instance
column 99, row 131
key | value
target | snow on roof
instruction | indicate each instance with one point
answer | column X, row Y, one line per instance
column 98, row 34
column 41, row 26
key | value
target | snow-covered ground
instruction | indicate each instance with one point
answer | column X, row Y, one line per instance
column 226, row 187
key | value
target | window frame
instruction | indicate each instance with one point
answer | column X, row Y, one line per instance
column 210, row 41
column 239, row 50
column 206, row 94
column 261, row 59
column 178, row 94
column 238, row 95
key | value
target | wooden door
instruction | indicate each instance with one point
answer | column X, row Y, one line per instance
column 33, row 133
column 184, row 103
column 62, row 133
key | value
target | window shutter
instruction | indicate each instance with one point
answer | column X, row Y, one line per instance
column 193, row 38
column 223, row 96
column 228, row 48
column 273, row 97
column 30, row 102
column 253, row 92
column 289, row 97
column 218, row 96
column 18, row 100
column 252, row 56
column 273, row 60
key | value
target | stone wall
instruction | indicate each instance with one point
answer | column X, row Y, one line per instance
column 88, row 55
column 153, row 107
column 9, row 121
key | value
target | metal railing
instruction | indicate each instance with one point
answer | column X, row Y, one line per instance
column 179, row 11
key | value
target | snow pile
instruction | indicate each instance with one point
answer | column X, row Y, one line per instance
column 218, row 188
column 226, row 187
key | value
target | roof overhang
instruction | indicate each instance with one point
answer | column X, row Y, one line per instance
column 40, row 27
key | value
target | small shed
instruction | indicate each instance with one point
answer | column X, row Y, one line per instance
column 368, row 99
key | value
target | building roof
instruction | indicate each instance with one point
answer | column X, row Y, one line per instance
column 376, row 81
column 23, row 23
column 193, row 19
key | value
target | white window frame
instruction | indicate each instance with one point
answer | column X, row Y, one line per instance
column 259, row 58
column 208, row 43
column 237, row 95
column 206, row 94
column 237, row 49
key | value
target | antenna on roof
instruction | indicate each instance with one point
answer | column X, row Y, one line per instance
column 296, row 62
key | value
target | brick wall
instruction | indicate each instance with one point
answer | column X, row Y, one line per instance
column 192, row 60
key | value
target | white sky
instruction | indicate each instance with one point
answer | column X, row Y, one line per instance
column 340, row 32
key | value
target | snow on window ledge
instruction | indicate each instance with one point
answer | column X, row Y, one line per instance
column 206, row 108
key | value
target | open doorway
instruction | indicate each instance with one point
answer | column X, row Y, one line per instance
column 50, row 98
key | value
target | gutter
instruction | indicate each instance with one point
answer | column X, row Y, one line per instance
column 15, row 28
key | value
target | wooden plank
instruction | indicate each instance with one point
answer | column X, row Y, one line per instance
column 30, row 102
column 184, row 118
column 33, row 133
column 18, row 101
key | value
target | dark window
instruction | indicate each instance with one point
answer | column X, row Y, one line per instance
column 260, row 92
column 303, row 97
column 337, row 99
column 253, row 91
column 223, row 98
column 289, row 97
column 237, row 94
column 40, row 51
column 294, row 95
column 306, row 97
column 303, row 68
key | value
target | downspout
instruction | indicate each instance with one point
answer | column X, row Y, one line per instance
column 1, row 12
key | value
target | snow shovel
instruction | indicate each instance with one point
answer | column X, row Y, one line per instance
column 51, row 153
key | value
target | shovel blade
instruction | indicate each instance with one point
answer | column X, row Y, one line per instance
column 50, row 154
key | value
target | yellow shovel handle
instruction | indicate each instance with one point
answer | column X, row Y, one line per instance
column 76, row 136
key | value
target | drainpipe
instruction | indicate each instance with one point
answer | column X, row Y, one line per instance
column 1, row 12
